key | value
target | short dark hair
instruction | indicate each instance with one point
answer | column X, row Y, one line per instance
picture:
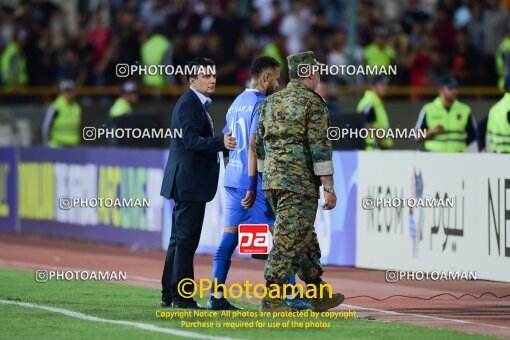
column 260, row 64
column 194, row 66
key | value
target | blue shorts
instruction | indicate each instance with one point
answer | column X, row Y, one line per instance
column 235, row 213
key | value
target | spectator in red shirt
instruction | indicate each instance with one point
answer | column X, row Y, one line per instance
column 444, row 32
column 100, row 37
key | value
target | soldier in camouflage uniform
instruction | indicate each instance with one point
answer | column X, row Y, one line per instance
column 295, row 156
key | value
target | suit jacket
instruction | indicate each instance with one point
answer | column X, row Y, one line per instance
column 192, row 169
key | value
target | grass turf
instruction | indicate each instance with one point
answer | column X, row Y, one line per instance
column 122, row 302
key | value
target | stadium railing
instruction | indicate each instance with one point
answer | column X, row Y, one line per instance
column 48, row 92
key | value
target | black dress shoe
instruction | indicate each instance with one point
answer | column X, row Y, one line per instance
column 186, row 304
column 166, row 303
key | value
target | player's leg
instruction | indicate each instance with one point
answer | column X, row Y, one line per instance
column 262, row 213
column 234, row 215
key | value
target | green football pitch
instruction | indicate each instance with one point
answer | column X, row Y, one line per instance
column 98, row 310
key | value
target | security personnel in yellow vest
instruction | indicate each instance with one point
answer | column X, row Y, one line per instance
column 13, row 69
column 380, row 52
column 372, row 107
column 449, row 123
column 156, row 50
column 128, row 98
column 498, row 125
column 503, row 59
column 62, row 123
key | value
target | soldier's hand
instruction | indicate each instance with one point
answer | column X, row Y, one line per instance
column 249, row 199
column 330, row 201
column 229, row 141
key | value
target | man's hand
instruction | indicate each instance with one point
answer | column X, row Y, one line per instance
column 437, row 130
column 229, row 141
column 249, row 199
column 330, row 198
column 384, row 143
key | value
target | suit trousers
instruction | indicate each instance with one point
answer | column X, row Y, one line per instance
column 187, row 220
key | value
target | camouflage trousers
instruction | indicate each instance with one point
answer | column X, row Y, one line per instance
column 295, row 245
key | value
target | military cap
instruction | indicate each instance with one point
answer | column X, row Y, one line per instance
column 307, row 58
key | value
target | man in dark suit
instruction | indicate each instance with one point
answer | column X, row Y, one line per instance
column 191, row 178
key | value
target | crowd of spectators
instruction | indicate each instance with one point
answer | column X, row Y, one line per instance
column 424, row 39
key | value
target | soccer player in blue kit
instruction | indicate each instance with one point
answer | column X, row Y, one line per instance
column 245, row 200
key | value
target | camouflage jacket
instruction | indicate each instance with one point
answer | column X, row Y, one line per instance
column 292, row 145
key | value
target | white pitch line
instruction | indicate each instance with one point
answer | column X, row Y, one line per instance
column 426, row 316
column 140, row 325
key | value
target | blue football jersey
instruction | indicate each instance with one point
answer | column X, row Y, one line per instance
column 242, row 120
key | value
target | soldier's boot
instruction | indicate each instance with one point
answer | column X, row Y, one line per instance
column 326, row 302
column 274, row 305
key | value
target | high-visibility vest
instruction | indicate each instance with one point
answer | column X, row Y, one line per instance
column 120, row 108
column 503, row 61
column 272, row 50
column 498, row 128
column 65, row 130
column 10, row 51
column 454, row 123
column 370, row 98
column 377, row 56
column 153, row 53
